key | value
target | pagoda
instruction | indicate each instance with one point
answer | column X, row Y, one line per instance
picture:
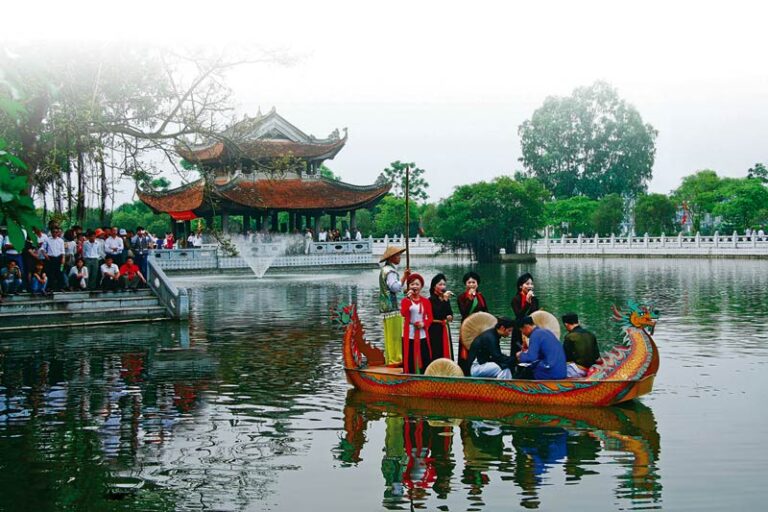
column 247, row 176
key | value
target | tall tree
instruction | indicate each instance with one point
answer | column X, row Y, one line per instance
column 591, row 143
column 655, row 214
column 120, row 105
column 486, row 216
column 417, row 185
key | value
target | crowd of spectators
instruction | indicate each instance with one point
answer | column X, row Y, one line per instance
column 106, row 258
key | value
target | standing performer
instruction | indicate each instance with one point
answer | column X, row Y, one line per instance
column 523, row 304
column 439, row 332
column 417, row 314
column 471, row 301
column 390, row 284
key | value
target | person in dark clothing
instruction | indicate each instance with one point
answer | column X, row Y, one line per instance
column 471, row 301
column 442, row 314
column 544, row 353
column 485, row 356
column 580, row 345
column 523, row 304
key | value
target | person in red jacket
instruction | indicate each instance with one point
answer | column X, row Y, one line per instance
column 130, row 275
column 417, row 314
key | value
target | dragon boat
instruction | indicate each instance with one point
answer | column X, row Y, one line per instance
column 626, row 372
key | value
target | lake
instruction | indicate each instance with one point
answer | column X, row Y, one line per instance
column 246, row 406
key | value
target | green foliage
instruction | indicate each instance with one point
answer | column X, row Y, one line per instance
column 573, row 215
column 364, row 221
column 758, row 172
column 487, row 216
column 389, row 217
column 428, row 219
column 744, row 204
column 655, row 214
column 417, row 185
column 131, row 215
column 591, row 143
column 325, row 172
column 17, row 210
column 608, row 215
column 700, row 192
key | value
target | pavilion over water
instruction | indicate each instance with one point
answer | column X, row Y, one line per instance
column 245, row 178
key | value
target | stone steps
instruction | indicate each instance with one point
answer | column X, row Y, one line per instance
column 26, row 311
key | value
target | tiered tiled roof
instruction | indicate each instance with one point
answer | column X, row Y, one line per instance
column 264, row 137
column 268, row 194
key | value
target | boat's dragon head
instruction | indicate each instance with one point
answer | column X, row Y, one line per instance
column 636, row 315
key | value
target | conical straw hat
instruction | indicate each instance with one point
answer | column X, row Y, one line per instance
column 443, row 367
column 391, row 251
column 546, row 320
column 475, row 324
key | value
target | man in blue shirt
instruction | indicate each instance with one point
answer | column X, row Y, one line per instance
column 545, row 353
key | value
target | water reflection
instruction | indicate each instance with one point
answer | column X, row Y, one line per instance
column 77, row 406
column 501, row 444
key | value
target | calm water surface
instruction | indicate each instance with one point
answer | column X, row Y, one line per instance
column 246, row 407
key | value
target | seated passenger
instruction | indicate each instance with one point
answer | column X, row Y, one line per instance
column 485, row 357
column 544, row 354
column 78, row 276
column 130, row 275
column 38, row 280
column 580, row 345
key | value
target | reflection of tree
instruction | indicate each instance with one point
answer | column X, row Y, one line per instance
column 77, row 406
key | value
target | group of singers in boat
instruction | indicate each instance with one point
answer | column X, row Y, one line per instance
column 416, row 329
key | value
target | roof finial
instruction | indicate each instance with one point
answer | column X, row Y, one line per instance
column 258, row 113
column 273, row 110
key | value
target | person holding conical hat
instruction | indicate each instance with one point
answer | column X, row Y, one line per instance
column 390, row 285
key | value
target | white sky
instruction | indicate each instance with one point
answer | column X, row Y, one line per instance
column 446, row 84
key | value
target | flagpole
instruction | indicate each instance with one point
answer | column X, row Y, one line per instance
column 407, row 218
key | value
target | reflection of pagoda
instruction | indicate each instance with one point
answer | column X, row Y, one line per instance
column 251, row 179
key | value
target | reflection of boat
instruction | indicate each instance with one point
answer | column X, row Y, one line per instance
column 543, row 436
column 626, row 373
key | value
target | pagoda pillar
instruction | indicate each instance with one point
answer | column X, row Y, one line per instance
column 308, row 221
column 291, row 222
column 246, row 223
column 333, row 221
column 352, row 222
column 273, row 222
column 187, row 230
column 225, row 222
column 208, row 222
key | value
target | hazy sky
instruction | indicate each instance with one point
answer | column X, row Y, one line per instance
column 446, row 84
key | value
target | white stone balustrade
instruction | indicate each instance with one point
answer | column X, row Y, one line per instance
column 716, row 245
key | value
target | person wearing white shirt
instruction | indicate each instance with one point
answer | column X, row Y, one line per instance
column 358, row 235
column 113, row 246
column 110, row 274
column 322, row 236
column 92, row 252
column 78, row 275
column 195, row 241
column 53, row 250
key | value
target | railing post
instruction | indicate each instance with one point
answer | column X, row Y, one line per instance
column 663, row 239
column 698, row 239
column 645, row 240
column 680, row 239
column 716, row 239
column 613, row 240
column 735, row 239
